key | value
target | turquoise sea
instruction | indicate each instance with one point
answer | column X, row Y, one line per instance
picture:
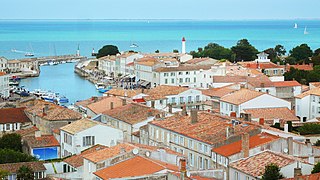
column 50, row 37
column 57, row 37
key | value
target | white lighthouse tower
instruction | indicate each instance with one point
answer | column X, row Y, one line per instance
column 78, row 51
column 183, row 50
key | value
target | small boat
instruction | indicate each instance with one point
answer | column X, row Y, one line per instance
column 295, row 26
column 133, row 45
column 100, row 86
column 13, row 83
column 62, row 99
column 28, row 54
column 305, row 31
column 94, row 53
column 38, row 92
column 103, row 90
column 52, row 63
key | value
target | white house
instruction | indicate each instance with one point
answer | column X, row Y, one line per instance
column 254, row 166
column 13, row 119
column 308, row 104
column 125, row 60
column 82, row 134
column 3, row 64
column 4, row 85
column 249, row 99
column 262, row 57
column 108, row 65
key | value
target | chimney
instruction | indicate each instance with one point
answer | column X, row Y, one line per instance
column 229, row 131
column 261, row 121
column 194, row 116
column 45, row 109
column 286, row 127
column 245, row 144
column 170, row 108
column 122, row 150
column 149, row 112
column 184, row 111
column 183, row 168
column 142, row 90
column 290, row 145
column 262, row 85
column 297, row 172
column 124, row 102
column 111, row 105
column 37, row 134
column 233, row 114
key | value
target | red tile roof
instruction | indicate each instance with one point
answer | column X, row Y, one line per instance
column 137, row 166
column 236, row 147
column 218, row 92
column 264, row 65
column 210, row 128
column 14, row 167
column 260, row 81
column 272, row 113
column 13, row 115
column 43, row 141
column 77, row 160
column 286, row 84
column 104, row 104
column 27, row 131
column 241, row 96
column 160, row 92
column 315, row 176
column 305, row 67
column 183, row 67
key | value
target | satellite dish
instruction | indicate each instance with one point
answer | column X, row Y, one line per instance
column 188, row 174
column 147, row 153
column 285, row 150
column 135, row 151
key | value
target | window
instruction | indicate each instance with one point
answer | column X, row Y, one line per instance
column 173, row 74
column 161, row 101
column 166, row 81
column 205, row 148
column 181, row 140
column 236, row 175
column 214, row 156
column 190, row 144
column 180, row 80
column 200, row 147
column 313, row 99
column 247, row 177
column 172, row 81
column 189, row 99
column 231, row 107
column 187, row 73
column 226, row 162
column 176, row 140
column 200, row 162
column 180, row 73
column 168, row 137
column 191, row 159
column 206, row 164
column 194, row 79
column 181, row 100
column 8, row 127
column 197, row 98
column 67, row 139
column 88, row 141
column 157, row 133
column 165, row 74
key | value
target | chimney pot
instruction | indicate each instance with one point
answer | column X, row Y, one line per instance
column 184, row 111
column 194, row 116
column 183, row 168
column 290, row 145
column 261, row 121
column 245, row 144
column 149, row 112
column 111, row 105
column 233, row 114
column 124, row 102
column 297, row 172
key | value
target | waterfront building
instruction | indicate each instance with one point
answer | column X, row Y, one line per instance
column 4, row 85
column 249, row 99
column 307, row 104
column 23, row 65
column 124, row 63
column 85, row 133
column 196, row 134
column 102, row 105
column 13, row 119
column 3, row 64
column 49, row 116
column 108, row 65
column 181, row 57
column 38, row 168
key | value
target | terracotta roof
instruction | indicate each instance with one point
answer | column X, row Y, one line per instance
column 236, row 147
column 85, row 103
column 137, row 166
column 241, row 96
column 218, row 92
column 107, row 153
column 210, row 128
column 261, row 65
column 147, row 61
column 13, row 115
column 305, row 67
column 315, row 84
column 229, row 79
column 124, row 92
column 78, row 126
column 54, row 113
column 260, row 81
column 14, row 167
column 286, row 84
column 132, row 113
column 201, row 61
column 160, row 92
column 27, row 131
column 56, row 131
column 43, row 141
column 315, row 176
column 105, row 104
column 314, row 91
column 183, row 67
column 255, row 165
column 77, row 160
column 2, row 73
column 272, row 113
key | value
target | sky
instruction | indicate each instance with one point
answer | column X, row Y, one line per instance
column 159, row 9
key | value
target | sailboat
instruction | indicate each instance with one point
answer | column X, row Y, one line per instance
column 305, row 31
column 29, row 54
column 133, row 45
column 295, row 26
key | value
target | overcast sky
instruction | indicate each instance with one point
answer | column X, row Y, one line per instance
column 159, row 9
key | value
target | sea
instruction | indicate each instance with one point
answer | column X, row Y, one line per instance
column 59, row 37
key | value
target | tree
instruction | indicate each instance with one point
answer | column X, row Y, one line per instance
column 175, row 51
column 157, row 51
column 280, row 50
column 3, row 174
column 25, row 173
column 317, row 143
column 244, row 51
column 213, row 50
column 107, row 50
column 301, row 53
column 272, row 172
column 316, row 52
column 11, row 156
column 11, row 141
column 316, row 168
column 272, row 53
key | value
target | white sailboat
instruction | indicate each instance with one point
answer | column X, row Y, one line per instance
column 30, row 53
column 305, row 31
column 295, row 26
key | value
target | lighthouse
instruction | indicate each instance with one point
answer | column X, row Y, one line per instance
column 183, row 50
column 78, row 51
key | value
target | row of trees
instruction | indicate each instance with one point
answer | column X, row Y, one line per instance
column 302, row 76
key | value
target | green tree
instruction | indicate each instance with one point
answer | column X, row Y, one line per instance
column 272, row 172
column 25, row 173
column 309, row 128
column 11, row 156
column 316, row 168
column 215, row 51
column 11, row 141
column 272, row 53
column 316, row 52
column 315, row 60
column 290, row 60
column 317, row 143
column 107, row 50
column 280, row 50
column 3, row 173
column 157, row 51
column 244, row 51
column 175, row 51
column 301, row 53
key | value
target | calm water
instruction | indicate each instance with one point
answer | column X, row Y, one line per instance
column 63, row 37
column 62, row 79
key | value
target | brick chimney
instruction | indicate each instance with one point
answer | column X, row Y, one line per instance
column 45, row 109
column 111, row 105
column 183, row 168
column 184, row 111
column 245, row 144
column 261, row 121
column 229, row 131
column 194, row 116
column 290, row 145
column 149, row 112
column 297, row 172
column 124, row 102
column 233, row 114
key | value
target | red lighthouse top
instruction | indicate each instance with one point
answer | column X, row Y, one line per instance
column 183, row 39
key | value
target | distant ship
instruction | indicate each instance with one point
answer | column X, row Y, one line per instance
column 305, row 31
column 133, row 45
column 295, row 26
column 28, row 54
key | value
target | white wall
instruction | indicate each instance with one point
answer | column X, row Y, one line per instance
column 303, row 108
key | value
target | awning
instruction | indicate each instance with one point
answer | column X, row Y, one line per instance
column 145, row 83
